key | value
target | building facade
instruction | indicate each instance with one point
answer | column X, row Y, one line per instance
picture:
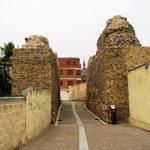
column 70, row 74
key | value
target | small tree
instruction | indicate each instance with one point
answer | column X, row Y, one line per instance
column 2, row 83
column 7, row 50
column 5, row 78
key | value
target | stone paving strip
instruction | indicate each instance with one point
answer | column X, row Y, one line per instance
column 83, row 145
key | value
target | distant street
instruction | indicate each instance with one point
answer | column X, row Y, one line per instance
column 78, row 129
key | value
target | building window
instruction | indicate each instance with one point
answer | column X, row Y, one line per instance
column 70, row 82
column 74, row 62
column 78, row 72
column 70, row 72
column 78, row 82
column 68, row 62
column 61, row 83
column 61, row 72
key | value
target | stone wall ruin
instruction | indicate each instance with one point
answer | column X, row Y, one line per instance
column 35, row 65
column 118, row 51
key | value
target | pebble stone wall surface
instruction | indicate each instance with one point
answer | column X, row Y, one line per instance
column 118, row 51
column 35, row 65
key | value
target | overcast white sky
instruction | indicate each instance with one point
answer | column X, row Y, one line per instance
column 71, row 26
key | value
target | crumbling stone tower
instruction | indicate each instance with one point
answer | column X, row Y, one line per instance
column 118, row 51
column 35, row 65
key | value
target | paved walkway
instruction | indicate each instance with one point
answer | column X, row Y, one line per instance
column 77, row 129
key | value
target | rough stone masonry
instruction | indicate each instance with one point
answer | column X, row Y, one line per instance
column 118, row 51
column 35, row 65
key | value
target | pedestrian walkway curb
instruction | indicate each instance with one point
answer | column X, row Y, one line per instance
column 103, row 122
column 56, row 123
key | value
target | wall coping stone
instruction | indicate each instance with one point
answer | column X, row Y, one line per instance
column 10, row 99
column 17, row 97
column 7, row 100
column 146, row 65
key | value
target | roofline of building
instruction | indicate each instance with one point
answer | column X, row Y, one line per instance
column 70, row 78
column 79, row 68
column 69, row 58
